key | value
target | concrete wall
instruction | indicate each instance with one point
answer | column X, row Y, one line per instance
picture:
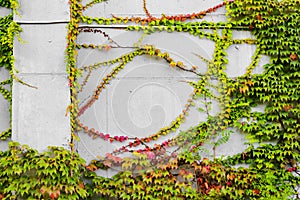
column 145, row 96
column 4, row 104
column 39, row 114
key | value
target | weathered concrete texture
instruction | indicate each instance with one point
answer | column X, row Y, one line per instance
column 4, row 11
column 148, row 94
column 181, row 47
column 4, row 104
column 41, row 11
column 43, row 49
column 135, row 106
column 4, row 114
column 4, row 120
column 39, row 114
column 4, row 145
column 260, row 67
column 236, row 144
column 239, row 58
column 141, row 107
column 156, row 8
column 4, row 109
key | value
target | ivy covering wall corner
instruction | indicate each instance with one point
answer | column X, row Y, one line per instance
column 7, row 32
column 267, row 169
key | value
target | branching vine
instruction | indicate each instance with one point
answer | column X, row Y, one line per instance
column 177, row 168
column 7, row 32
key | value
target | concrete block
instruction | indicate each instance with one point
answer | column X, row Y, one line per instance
column 143, row 69
column 43, row 11
column 39, row 114
column 239, row 58
column 183, row 47
column 4, row 145
column 146, row 67
column 95, row 116
column 89, row 149
column 136, row 107
column 146, row 95
column 43, row 50
column 183, row 51
column 181, row 7
column 156, row 8
column 259, row 69
column 139, row 67
column 4, row 114
column 259, row 108
column 235, row 144
column 4, row 11
column 239, row 35
column 4, row 75
column 121, row 37
column 142, row 107
column 4, row 104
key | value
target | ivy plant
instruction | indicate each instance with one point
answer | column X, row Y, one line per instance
column 267, row 169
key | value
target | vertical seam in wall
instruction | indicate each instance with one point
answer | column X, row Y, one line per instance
column 106, row 110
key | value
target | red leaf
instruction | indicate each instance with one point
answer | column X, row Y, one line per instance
column 255, row 191
column 107, row 163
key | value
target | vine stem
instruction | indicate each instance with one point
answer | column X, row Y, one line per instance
column 146, row 10
column 181, row 17
column 85, row 80
column 95, row 30
column 22, row 82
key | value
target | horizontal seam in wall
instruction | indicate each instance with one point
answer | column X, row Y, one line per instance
column 178, row 78
column 42, row 22
column 28, row 74
column 97, row 25
column 126, row 26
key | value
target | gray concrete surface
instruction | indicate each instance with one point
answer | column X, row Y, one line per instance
column 155, row 7
column 4, row 109
column 43, row 11
column 42, row 50
column 148, row 94
column 4, row 11
column 39, row 113
column 4, row 104
column 145, row 96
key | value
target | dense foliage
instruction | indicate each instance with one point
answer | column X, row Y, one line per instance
column 267, row 169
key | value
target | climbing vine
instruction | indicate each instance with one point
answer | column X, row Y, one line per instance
column 266, row 169
column 7, row 32
column 271, row 165
column 12, row 4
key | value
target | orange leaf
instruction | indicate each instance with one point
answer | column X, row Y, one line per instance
column 81, row 185
column 107, row 47
column 294, row 57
